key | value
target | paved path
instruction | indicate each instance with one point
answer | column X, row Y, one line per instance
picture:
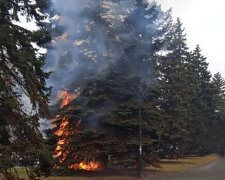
column 213, row 171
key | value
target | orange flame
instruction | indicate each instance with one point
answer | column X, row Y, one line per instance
column 59, row 149
column 66, row 98
column 63, row 132
column 90, row 166
column 63, row 128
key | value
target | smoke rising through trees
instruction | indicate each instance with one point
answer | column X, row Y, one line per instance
column 121, row 75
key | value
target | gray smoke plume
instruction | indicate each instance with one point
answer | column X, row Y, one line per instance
column 80, row 39
column 72, row 25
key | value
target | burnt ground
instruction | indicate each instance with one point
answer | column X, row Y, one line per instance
column 213, row 171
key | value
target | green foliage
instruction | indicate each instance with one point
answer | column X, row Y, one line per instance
column 21, row 76
column 175, row 89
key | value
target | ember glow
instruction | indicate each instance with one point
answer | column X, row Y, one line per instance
column 63, row 133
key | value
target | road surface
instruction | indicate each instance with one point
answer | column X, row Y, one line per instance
column 213, row 171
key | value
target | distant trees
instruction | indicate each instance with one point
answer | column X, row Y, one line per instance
column 23, row 91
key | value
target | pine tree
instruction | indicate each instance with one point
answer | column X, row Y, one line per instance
column 174, row 81
column 92, row 56
column 107, row 108
column 21, row 76
column 216, row 122
column 198, row 107
column 219, row 82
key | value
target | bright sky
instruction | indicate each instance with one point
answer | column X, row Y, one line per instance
column 204, row 22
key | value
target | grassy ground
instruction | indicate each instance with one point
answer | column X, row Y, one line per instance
column 167, row 166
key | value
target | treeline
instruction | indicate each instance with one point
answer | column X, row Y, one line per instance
column 137, row 70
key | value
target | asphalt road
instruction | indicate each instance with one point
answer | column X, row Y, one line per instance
column 213, row 171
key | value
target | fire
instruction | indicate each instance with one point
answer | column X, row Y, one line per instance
column 59, row 149
column 63, row 128
column 66, row 98
column 90, row 166
column 64, row 132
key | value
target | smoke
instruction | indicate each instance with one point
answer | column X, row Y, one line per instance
column 81, row 44
column 73, row 51
column 73, row 43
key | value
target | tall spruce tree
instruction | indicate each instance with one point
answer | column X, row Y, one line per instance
column 217, row 119
column 219, row 82
column 174, row 79
column 21, row 76
column 107, row 108
column 93, row 55
column 198, row 107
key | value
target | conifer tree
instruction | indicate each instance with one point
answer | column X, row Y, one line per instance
column 92, row 47
column 22, row 77
column 198, row 107
column 216, row 122
column 107, row 107
column 175, row 90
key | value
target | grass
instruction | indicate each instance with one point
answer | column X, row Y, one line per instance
column 167, row 166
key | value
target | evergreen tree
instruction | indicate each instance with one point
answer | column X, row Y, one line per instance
column 92, row 56
column 199, row 104
column 174, row 81
column 217, row 119
column 219, row 82
column 108, row 107
column 21, row 76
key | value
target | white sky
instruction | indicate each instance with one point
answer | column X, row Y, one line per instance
column 204, row 23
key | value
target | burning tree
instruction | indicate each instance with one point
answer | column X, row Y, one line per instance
column 103, row 121
column 88, row 41
column 63, row 133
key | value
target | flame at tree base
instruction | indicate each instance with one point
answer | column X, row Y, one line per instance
column 89, row 166
column 63, row 132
